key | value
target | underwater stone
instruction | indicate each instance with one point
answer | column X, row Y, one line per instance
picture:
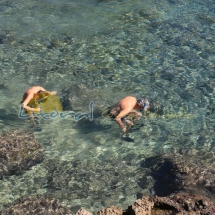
column 147, row 13
column 2, row 38
column 167, row 75
column 175, row 2
column 185, row 95
column 18, row 151
column 78, row 97
column 37, row 205
column 182, row 171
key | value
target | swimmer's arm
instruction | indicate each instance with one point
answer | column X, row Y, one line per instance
column 31, row 109
column 52, row 92
column 25, row 103
column 42, row 89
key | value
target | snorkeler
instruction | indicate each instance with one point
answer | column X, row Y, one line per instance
column 32, row 93
column 128, row 106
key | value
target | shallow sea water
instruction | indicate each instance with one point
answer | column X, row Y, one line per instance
column 162, row 49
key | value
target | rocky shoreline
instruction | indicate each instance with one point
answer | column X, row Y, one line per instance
column 176, row 204
column 183, row 180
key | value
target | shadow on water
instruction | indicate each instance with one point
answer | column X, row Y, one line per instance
column 86, row 126
column 164, row 174
column 10, row 119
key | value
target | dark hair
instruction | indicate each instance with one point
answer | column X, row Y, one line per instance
column 142, row 101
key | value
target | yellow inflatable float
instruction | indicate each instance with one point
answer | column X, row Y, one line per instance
column 47, row 102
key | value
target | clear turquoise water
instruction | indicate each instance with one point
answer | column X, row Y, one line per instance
column 162, row 49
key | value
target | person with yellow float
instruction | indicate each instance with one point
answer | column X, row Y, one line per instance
column 35, row 96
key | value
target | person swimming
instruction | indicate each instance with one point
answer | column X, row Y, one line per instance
column 128, row 106
column 33, row 93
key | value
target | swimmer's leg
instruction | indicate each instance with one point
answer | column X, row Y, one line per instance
column 128, row 123
column 133, row 117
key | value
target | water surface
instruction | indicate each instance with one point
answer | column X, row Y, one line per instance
column 164, row 50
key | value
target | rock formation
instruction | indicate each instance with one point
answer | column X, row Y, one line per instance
column 18, row 151
column 37, row 205
column 177, row 204
column 180, row 171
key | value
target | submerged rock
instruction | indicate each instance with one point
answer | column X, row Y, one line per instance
column 147, row 14
column 36, row 205
column 182, row 171
column 111, row 211
column 78, row 98
column 18, row 151
column 177, row 204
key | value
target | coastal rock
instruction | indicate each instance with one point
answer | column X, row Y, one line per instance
column 193, row 204
column 141, row 207
column 37, row 205
column 177, row 204
column 83, row 212
column 18, row 151
column 111, row 211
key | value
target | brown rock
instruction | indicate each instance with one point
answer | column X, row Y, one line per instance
column 194, row 204
column 111, row 211
column 83, row 212
column 178, row 204
column 142, row 206
column 153, row 206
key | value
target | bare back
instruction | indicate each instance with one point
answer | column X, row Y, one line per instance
column 122, row 108
column 32, row 91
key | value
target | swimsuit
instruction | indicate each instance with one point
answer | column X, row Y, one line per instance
column 110, row 115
